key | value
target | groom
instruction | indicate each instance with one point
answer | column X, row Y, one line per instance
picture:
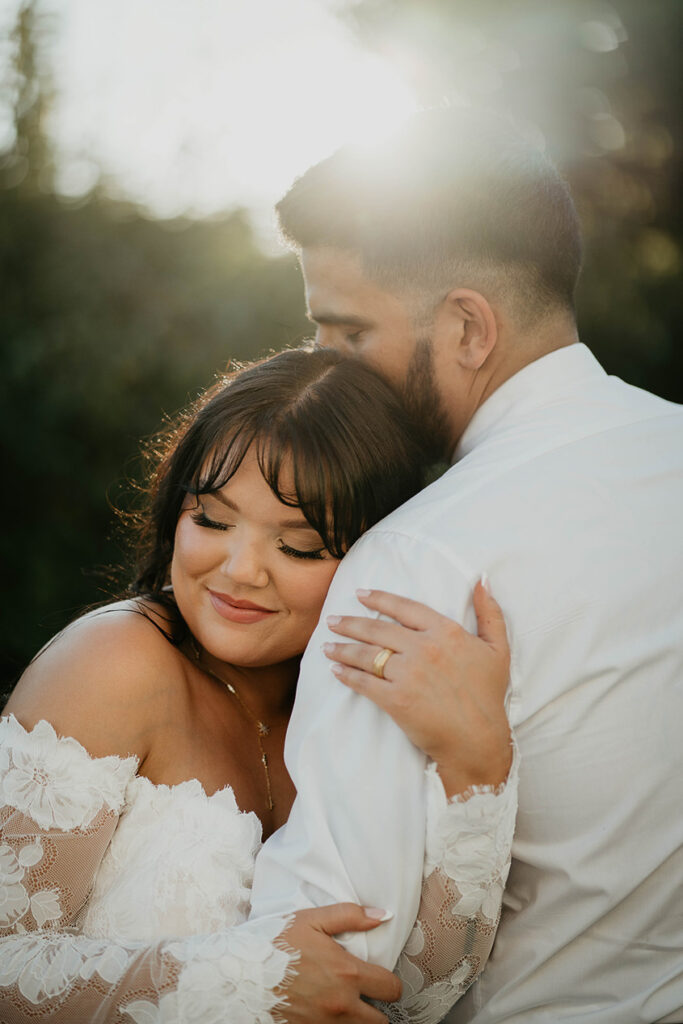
column 448, row 259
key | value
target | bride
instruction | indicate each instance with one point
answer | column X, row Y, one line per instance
column 141, row 756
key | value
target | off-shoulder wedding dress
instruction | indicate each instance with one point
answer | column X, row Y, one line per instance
column 121, row 900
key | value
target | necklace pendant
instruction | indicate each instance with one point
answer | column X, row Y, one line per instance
column 263, row 729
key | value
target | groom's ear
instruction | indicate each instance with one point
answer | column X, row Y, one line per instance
column 472, row 326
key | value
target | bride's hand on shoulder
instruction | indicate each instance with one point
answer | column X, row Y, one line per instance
column 444, row 686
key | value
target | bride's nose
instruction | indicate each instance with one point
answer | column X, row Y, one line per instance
column 243, row 562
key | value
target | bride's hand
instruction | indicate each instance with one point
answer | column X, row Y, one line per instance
column 442, row 685
column 329, row 982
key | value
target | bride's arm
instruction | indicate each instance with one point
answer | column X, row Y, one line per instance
column 343, row 744
column 60, row 802
column 471, row 800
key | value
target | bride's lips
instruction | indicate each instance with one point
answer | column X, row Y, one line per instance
column 238, row 611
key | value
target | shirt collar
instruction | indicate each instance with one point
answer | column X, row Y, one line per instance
column 534, row 386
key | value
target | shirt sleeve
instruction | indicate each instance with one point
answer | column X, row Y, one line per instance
column 357, row 827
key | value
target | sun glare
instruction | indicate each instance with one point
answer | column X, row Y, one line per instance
column 196, row 108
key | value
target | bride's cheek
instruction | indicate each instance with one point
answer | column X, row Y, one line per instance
column 194, row 549
column 317, row 589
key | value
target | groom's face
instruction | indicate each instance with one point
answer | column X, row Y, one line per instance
column 356, row 316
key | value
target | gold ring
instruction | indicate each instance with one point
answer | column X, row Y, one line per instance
column 380, row 660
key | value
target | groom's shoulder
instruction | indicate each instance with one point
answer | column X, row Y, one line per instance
column 646, row 402
column 415, row 519
column 554, row 448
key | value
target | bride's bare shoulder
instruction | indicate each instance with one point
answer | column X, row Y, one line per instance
column 102, row 678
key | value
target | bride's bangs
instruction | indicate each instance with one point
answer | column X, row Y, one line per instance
column 221, row 461
column 304, row 471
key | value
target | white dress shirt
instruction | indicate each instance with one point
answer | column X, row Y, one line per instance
column 568, row 491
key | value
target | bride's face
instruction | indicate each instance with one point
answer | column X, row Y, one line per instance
column 249, row 573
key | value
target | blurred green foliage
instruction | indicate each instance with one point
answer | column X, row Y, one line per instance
column 109, row 319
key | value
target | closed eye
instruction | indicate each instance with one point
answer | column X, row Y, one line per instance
column 200, row 517
column 318, row 553
column 353, row 337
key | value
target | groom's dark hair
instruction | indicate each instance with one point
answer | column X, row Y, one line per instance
column 454, row 198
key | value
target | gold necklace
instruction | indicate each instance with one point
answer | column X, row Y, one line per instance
column 261, row 728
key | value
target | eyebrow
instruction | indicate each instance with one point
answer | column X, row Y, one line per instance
column 285, row 524
column 336, row 319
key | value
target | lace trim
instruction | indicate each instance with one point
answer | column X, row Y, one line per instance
column 54, row 781
column 469, row 839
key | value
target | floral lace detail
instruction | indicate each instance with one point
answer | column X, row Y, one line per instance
column 467, row 860
column 179, row 863
column 469, row 841
column 234, row 975
column 43, row 967
column 230, row 976
column 53, row 795
column 54, row 780
column 61, row 814
column 15, row 900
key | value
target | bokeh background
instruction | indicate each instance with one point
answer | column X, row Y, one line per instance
column 142, row 145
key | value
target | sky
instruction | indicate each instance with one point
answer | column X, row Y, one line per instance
column 195, row 106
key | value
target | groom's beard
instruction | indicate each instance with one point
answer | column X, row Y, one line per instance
column 421, row 398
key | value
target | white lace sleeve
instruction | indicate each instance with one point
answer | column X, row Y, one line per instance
column 467, row 860
column 58, row 810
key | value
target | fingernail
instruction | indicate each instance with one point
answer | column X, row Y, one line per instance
column 485, row 582
column 336, row 669
column 333, row 620
column 328, row 648
column 363, row 593
column 377, row 914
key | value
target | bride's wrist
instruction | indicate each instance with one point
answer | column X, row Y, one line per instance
column 464, row 780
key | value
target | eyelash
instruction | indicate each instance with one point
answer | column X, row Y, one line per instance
column 200, row 517
column 295, row 553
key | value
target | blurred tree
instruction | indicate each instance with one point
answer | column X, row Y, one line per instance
column 27, row 92
column 108, row 320
column 599, row 83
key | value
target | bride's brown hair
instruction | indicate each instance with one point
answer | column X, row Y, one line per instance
column 330, row 420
